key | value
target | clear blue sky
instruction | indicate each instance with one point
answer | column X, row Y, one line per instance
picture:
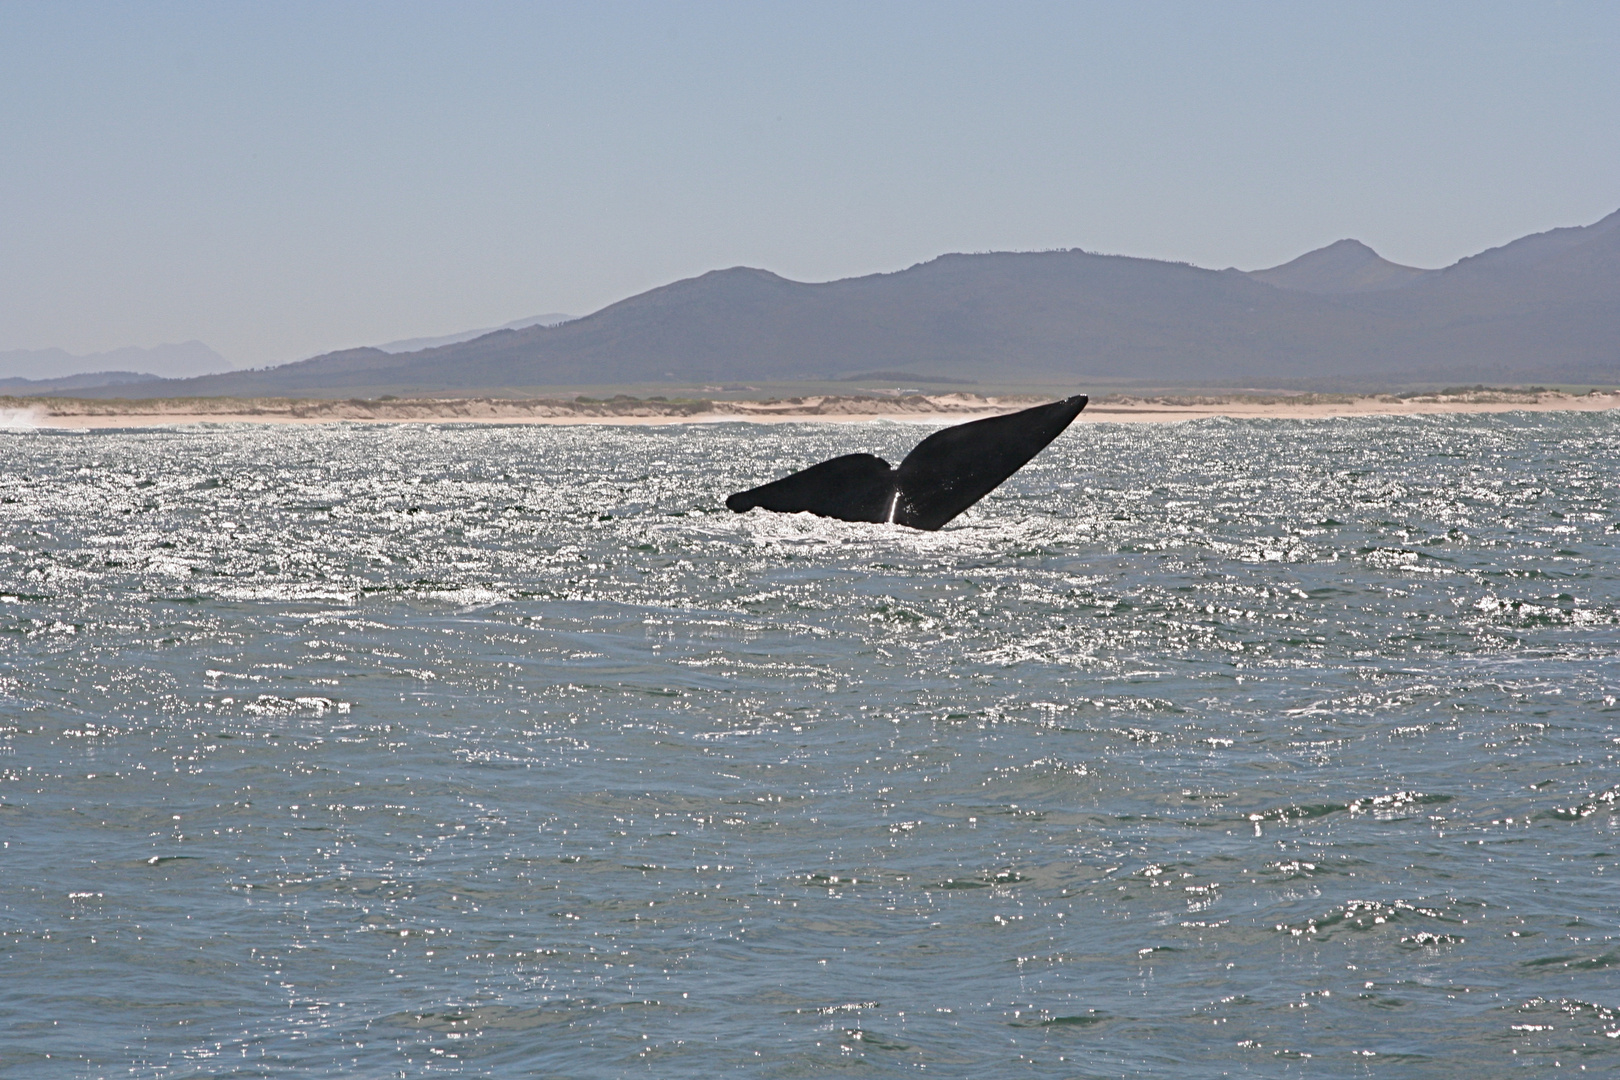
column 283, row 178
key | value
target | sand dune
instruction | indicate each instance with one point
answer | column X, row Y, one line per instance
column 81, row 413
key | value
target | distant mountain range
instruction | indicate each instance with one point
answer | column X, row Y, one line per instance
column 72, row 383
column 1543, row 308
column 182, row 360
column 56, row 371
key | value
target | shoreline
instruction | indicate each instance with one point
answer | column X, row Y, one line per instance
column 100, row 414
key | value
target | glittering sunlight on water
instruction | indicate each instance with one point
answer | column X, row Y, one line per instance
column 1263, row 748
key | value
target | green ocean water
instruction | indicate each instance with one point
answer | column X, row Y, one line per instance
column 1254, row 748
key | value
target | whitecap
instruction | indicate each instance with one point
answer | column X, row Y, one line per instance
column 30, row 418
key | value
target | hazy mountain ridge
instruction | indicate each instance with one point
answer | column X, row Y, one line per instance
column 1347, row 266
column 1537, row 248
column 1541, row 308
column 52, row 370
column 417, row 344
column 177, row 360
column 87, row 381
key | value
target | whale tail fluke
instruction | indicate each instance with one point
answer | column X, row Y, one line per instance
column 855, row 487
column 952, row 469
column 942, row 476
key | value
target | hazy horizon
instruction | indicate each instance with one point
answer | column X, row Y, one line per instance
column 281, row 182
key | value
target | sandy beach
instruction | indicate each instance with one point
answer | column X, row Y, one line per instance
column 78, row 413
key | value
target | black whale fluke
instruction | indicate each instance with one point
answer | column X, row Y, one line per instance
column 942, row 476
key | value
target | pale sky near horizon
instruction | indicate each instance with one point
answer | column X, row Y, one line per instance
column 282, row 179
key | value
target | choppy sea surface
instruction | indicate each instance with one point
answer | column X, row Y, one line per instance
column 1265, row 748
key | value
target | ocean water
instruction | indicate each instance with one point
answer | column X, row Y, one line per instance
column 1252, row 748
